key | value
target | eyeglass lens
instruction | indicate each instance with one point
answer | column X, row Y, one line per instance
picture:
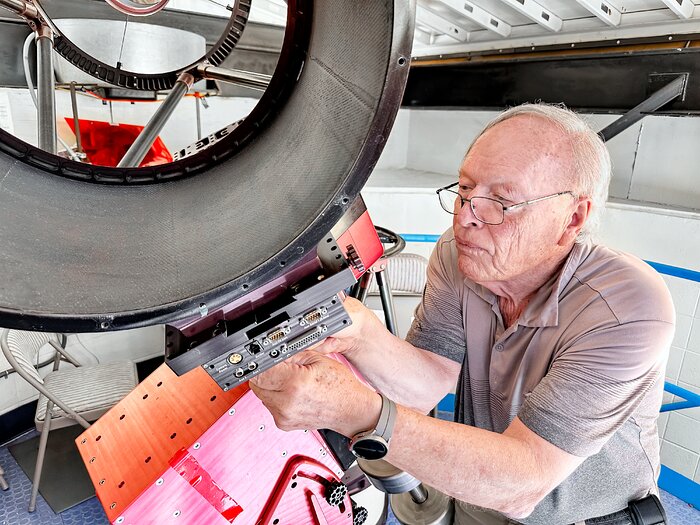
column 486, row 210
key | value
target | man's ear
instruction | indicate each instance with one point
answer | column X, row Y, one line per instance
column 577, row 219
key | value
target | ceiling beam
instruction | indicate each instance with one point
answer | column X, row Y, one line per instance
column 682, row 8
column 538, row 13
column 604, row 10
column 480, row 16
column 422, row 36
column 440, row 24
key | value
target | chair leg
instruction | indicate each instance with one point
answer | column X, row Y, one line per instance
column 40, row 457
column 3, row 483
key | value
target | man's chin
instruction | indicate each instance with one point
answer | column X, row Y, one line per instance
column 471, row 269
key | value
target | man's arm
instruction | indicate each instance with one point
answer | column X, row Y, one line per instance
column 509, row 472
column 410, row 376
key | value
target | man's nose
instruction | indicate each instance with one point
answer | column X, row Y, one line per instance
column 465, row 217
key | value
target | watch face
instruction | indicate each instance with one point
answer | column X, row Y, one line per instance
column 370, row 448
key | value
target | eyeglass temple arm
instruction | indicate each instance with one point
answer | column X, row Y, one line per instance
column 532, row 201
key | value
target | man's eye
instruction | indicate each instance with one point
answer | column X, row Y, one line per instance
column 502, row 199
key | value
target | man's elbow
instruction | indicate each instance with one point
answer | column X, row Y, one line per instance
column 522, row 505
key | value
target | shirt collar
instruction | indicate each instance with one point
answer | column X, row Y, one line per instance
column 543, row 308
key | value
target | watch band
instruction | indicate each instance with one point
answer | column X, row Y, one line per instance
column 387, row 418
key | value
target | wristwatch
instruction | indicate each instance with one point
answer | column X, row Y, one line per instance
column 374, row 444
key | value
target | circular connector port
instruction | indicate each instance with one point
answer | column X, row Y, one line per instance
column 239, row 372
column 274, row 354
column 234, row 359
column 252, row 366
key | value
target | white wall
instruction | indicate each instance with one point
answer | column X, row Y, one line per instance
column 88, row 349
column 641, row 155
column 653, row 161
column 179, row 132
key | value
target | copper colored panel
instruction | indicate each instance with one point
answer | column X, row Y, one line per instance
column 244, row 470
column 130, row 446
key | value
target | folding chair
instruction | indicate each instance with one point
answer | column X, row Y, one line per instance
column 3, row 483
column 67, row 396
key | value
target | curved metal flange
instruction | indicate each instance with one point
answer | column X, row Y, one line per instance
column 290, row 65
column 158, row 81
column 387, row 478
column 80, row 257
column 436, row 509
column 130, row 7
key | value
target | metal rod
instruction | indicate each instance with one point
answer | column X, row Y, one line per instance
column 76, row 119
column 361, row 288
column 249, row 79
column 46, row 90
column 21, row 8
column 419, row 494
column 199, row 118
column 660, row 98
column 138, row 150
column 387, row 301
column 30, row 84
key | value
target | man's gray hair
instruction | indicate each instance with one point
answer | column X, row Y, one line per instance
column 591, row 168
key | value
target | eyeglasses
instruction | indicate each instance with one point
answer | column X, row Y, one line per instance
column 485, row 209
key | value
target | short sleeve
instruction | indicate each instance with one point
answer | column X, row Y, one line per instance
column 596, row 384
column 438, row 325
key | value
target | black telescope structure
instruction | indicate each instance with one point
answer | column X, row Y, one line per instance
column 90, row 248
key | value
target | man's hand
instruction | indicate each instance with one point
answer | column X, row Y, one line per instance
column 350, row 340
column 312, row 391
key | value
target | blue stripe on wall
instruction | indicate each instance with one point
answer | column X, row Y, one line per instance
column 680, row 486
column 683, row 273
column 666, row 269
column 447, row 404
column 692, row 399
column 419, row 237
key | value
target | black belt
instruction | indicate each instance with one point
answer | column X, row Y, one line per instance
column 621, row 517
column 645, row 511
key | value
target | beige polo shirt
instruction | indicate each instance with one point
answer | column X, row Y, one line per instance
column 583, row 368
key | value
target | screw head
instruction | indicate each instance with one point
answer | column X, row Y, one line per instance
column 176, row 513
column 261, row 428
column 232, row 412
column 196, row 446
column 120, row 519
column 159, row 481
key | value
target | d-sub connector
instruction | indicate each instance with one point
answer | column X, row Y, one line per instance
column 314, row 316
column 306, row 339
column 276, row 335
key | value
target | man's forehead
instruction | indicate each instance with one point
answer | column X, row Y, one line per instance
column 513, row 152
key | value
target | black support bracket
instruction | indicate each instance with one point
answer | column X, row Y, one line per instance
column 672, row 90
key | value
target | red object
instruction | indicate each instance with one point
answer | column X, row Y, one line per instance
column 179, row 450
column 105, row 144
column 244, row 470
column 361, row 245
column 189, row 468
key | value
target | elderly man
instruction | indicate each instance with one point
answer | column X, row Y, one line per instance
column 557, row 345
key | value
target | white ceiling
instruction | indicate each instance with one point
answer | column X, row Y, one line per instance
column 445, row 27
